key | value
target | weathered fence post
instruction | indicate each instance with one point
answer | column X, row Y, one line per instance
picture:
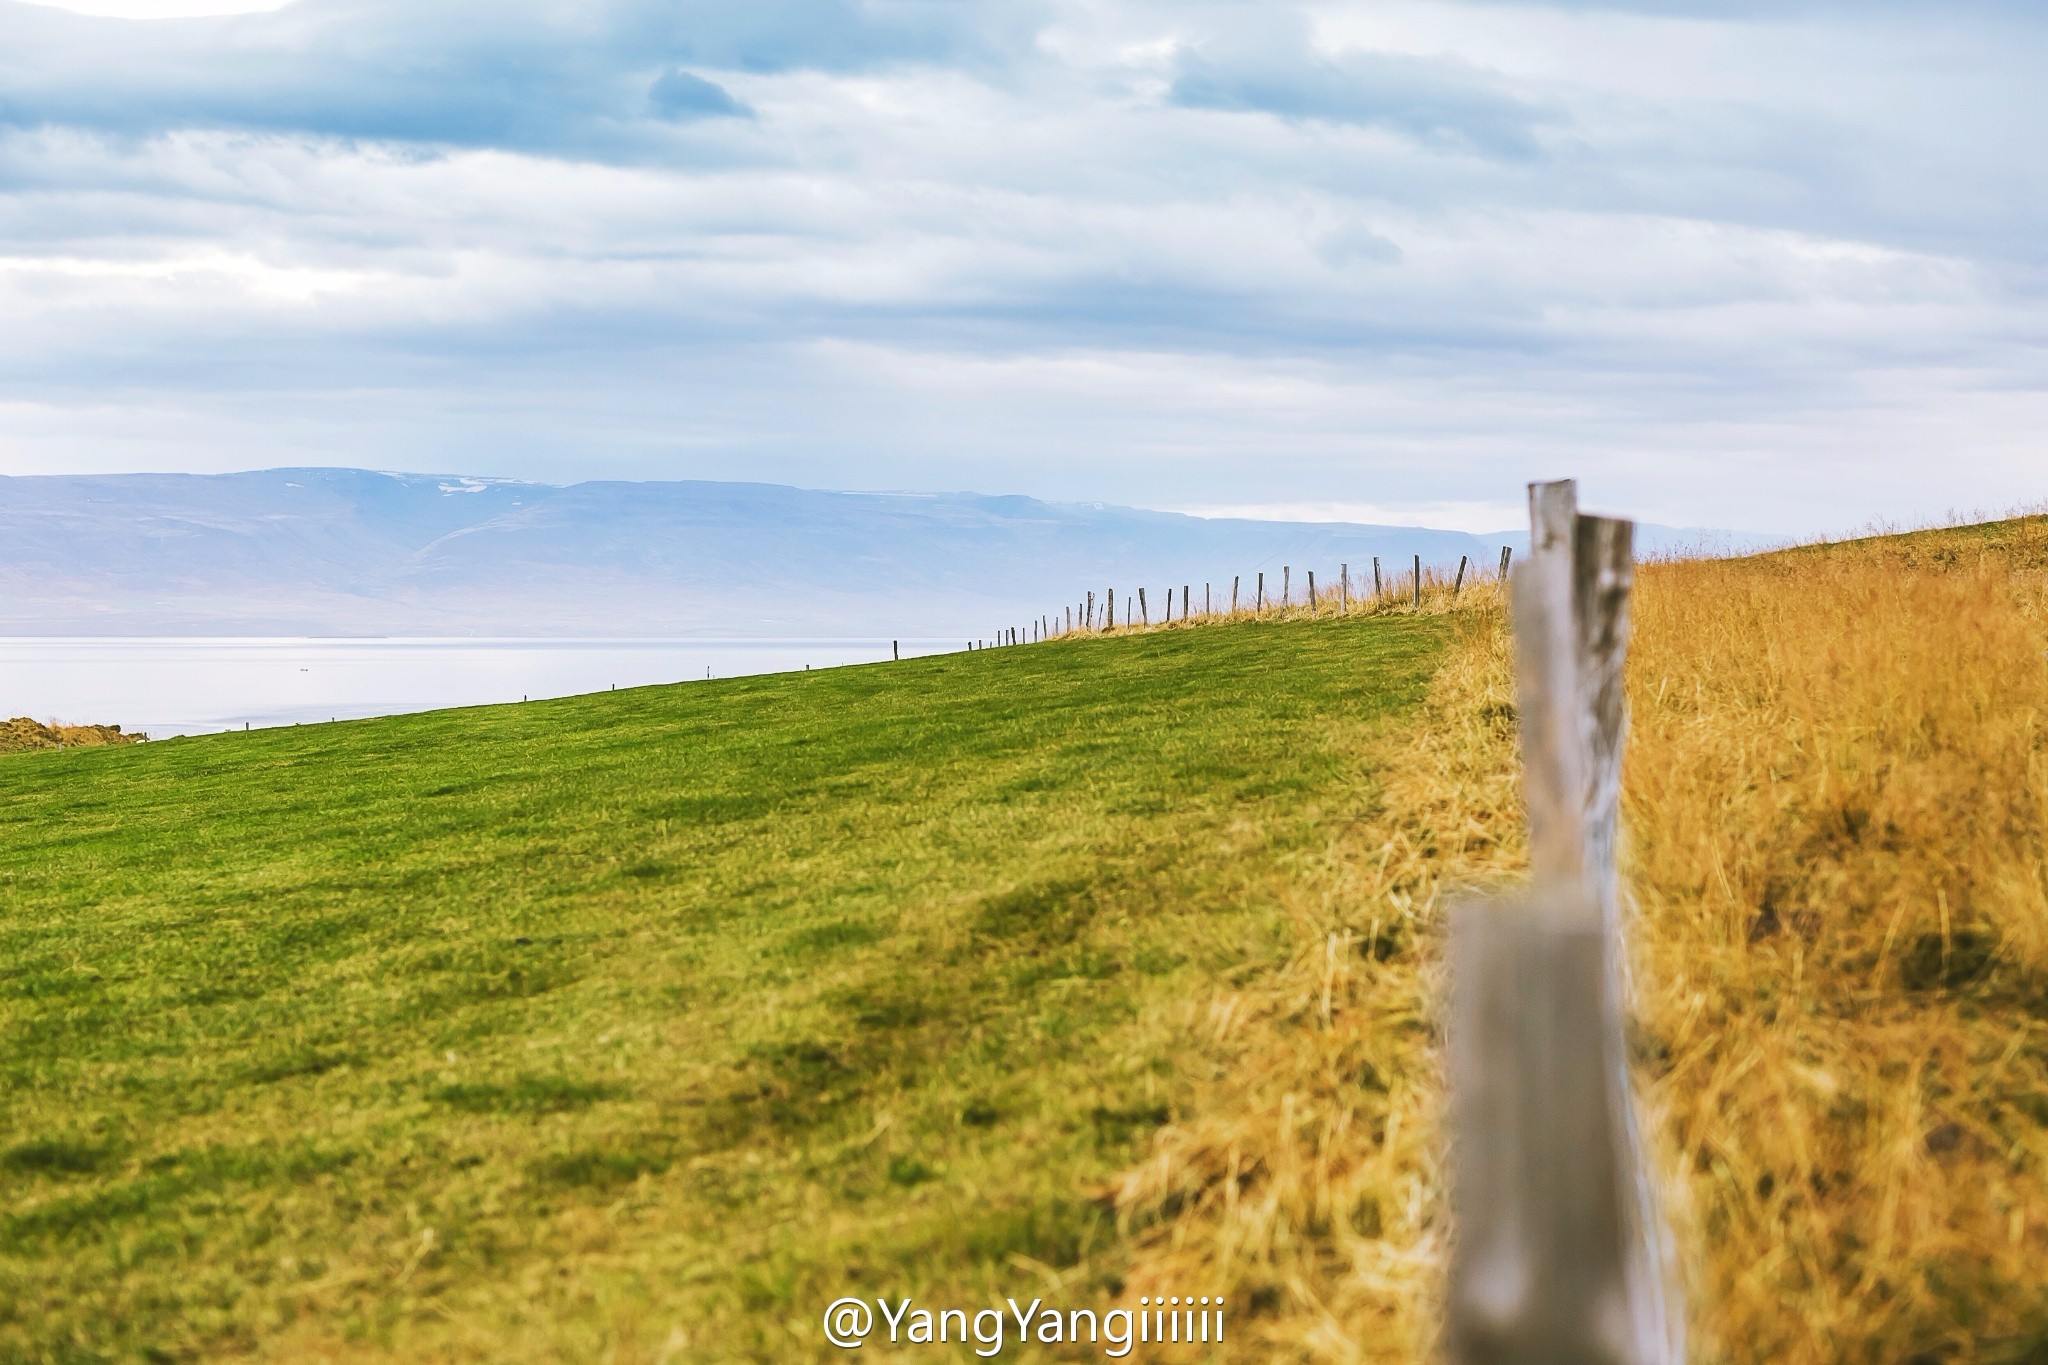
column 1344, row 590
column 1233, row 593
column 1286, row 585
column 1377, row 592
column 1186, row 595
column 896, row 650
column 1259, row 603
column 1507, row 554
column 1141, row 607
column 1459, row 581
column 1418, row 581
column 1311, row 592
column 1109, row 613
column 1560, row 1253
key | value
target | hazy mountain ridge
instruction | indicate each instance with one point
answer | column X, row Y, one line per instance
column 345, row 551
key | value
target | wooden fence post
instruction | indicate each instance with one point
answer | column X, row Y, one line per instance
column 1418, row 581
column 1186, row 594
column 1459, row 581
column 1507, row 554
column 1141, row 607
column 1560, row 1253
column 1344, row 590
column 1109, row 614
column 1286, row 585
column 1233, row 594
column 1377, row 592
column 1311, row 592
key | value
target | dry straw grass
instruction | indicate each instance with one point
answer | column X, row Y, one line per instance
column 21, row 733
column 1837, row 797
column 1835, row 803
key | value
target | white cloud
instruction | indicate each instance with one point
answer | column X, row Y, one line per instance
column 1719, row 274
column 163, row 9
column 1479, row 518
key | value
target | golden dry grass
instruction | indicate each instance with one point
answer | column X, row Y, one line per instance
column 1837, row 796
column 1835, row 807
column 21, row 733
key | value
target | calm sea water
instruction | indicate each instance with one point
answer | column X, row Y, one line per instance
column 177, row 686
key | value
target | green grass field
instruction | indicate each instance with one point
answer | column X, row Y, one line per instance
column 641, row 1025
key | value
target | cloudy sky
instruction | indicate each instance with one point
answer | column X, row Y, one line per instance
column 1775, row 266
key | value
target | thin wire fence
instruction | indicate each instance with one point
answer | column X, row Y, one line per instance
column 1366, row 590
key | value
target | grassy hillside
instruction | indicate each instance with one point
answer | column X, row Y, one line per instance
column 639, row 1026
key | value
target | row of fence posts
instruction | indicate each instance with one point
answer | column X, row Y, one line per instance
column 1087, row 617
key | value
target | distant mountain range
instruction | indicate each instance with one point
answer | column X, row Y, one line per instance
column 355, row 552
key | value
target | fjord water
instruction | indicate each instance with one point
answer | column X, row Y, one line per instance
column 166, row 686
